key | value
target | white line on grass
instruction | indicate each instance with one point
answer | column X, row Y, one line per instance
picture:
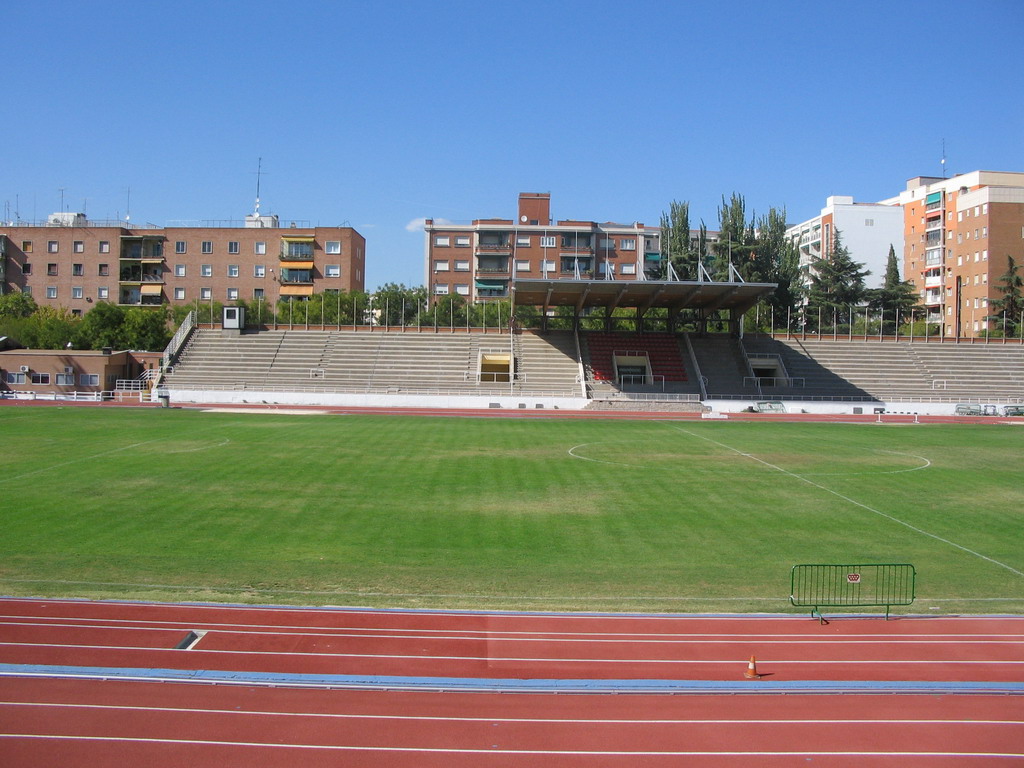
column 90, row 457
column 848, row 499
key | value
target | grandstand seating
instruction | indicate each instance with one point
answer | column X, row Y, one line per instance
column 886, row 370
column 551, row 363
column 378, row 361
column 661, row 349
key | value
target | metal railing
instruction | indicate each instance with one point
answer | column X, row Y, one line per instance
column 851, row 586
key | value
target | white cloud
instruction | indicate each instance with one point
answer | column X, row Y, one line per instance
column 416, row 225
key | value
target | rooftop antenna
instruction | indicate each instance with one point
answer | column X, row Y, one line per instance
column 128, row 210
column 259, row 171
column 943, row 158
column 61, row 190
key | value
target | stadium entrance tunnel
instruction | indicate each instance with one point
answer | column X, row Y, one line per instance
column 494, row 366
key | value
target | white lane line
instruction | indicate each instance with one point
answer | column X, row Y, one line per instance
column 552, row 637
column 552, row 720
column 852, row 501
column 491, row 659
column 498, row 751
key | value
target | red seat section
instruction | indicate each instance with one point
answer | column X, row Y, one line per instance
column 662, row 350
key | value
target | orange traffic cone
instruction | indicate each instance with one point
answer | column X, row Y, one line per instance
column 751, row 673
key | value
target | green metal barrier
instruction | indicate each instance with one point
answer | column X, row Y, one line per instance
column 851, row 586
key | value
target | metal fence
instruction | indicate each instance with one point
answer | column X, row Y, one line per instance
column 852, row 586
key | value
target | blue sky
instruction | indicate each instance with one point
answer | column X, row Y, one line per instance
column 379, row 114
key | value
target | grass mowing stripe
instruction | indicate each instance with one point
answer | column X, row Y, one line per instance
column 475, row 513
column 857, row 503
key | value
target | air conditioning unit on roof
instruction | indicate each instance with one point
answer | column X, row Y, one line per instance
column 68, row 369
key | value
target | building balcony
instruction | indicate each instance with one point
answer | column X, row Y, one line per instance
column 491, row 246
column 933, row 281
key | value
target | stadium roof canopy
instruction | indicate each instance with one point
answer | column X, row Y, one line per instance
column 642, row 294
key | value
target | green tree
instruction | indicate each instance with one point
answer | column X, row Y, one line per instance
column 736, row 238
column 836, row 282
column 145, row 329
column 102, row 326
column 777, row 260
column 48, row 328
column 17, row 304
column 397, row 304
column 675, row 242
column 895, row 293
column 1010, row 303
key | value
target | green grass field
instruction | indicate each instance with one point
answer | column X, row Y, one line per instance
column 499, row 513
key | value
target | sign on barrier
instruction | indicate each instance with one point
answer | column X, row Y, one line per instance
column 852, row 586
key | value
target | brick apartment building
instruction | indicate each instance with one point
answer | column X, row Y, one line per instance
column 958, row 233
column 72, row 262
column 479, row 260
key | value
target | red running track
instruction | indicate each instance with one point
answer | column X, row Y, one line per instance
column 473, row 645
column 72, row 722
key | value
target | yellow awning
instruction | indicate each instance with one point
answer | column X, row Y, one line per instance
column 286, row 264
column 296, row 290
column 148, row 289
column 297, row 238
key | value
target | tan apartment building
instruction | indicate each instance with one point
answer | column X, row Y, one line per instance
column 479, row 260
column 958, row 233
column 70, row 261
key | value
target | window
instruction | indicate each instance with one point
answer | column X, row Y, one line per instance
column 179, row 270
column 206, row 294
column 78, row 270
column 440, row 266
column 547, row 242
column 547, row 266
column 26, row 268
column 462, row 241
column 102, row 292
column 259, row 248
column 52, row 246
column 232, row 246
column 65, row 379
column 627, row 244
column 462, row 290
column 977, row 257
column 440, row 290
column 232, row 270
column 461, row 265
column 257, row 293
column 207, row 246
column 606, row 243
column 869, row 222
column 104, row 246
column 89, row 379
column 984, row 255
column 40, row 378
column 332, row 246
column 984, row 231
column 26, row 246
column 103, row 270
column 332, row 270
column 259, row 270
column 179, row 294
column 77, row 292
column 232, row 294
column 206, row 270
column 179, row 246
column 523, row 241
column 51, row 292
column 442, row 241
column 628, row 269
column 15, row 378
column 522, row 265
column 78, row 246
column 51, row 269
